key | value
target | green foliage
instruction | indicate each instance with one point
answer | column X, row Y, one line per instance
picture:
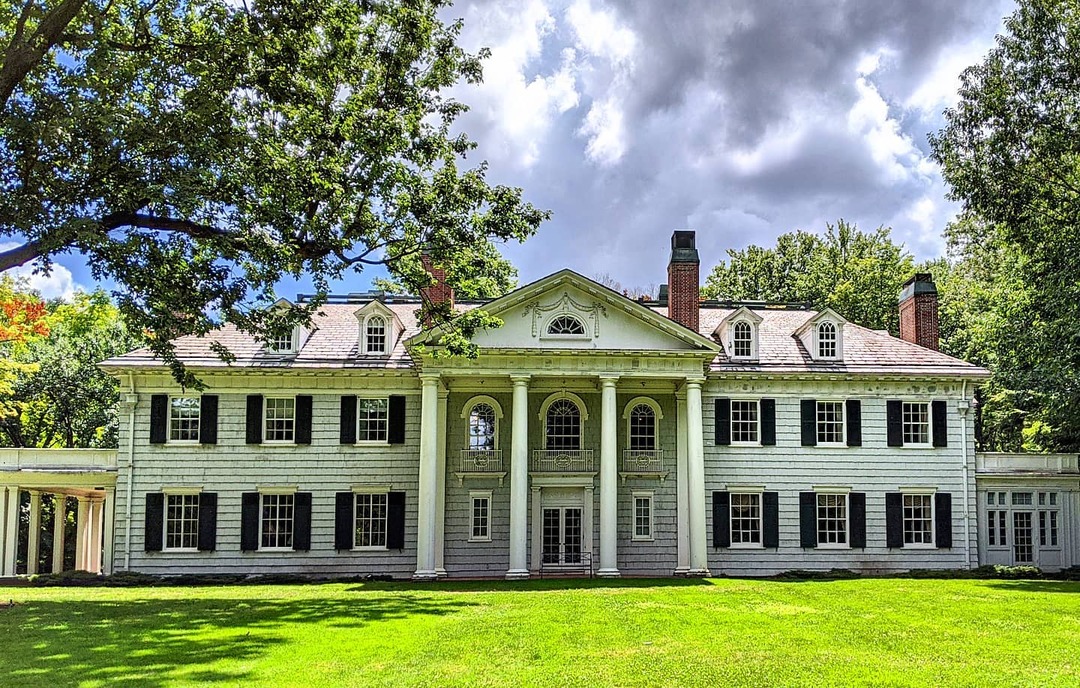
column 198, row 151
column 855, row 273
column 479, row 272
column 1010, row 152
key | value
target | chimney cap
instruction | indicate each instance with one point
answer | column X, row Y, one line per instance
column 920, row 283
column 684, row 246
column 662, row 295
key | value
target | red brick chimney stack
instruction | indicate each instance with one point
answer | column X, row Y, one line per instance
column 919, row 311
column 683, row 280
column 440, row 291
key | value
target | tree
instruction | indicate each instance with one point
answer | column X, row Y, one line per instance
column 857, row 274
column 198, row 151
column 648, row 291
column 481, row 273
column 1009, row 152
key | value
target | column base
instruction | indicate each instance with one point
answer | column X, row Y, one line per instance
column 681, row 572
column 440, row 572
column 425, row 576
column 517, row 574
column 607, row 573
column 698, row 573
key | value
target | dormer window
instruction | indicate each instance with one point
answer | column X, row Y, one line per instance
column 826, row 340
column 375, row 335
column 566, row 326
column 378, row 329
column 742, row 340
column 284, row 344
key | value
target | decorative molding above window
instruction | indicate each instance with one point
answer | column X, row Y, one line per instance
column 823, row 336
column 566, row 317
column 738, row 332
column 379, row 328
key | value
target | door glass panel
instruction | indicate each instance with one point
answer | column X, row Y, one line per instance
column 1023, row 544
column 550, row 549
column 572, row 536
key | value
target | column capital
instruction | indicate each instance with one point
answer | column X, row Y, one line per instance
column 520, row 380
column 695, row 382
column 430, row 378
column 608, row 379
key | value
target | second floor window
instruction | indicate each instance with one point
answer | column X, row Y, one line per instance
column 563, row 426
column 830, row 422
column 916, row 422
column 375, row 335
column 372, row 420
column 184, row 419
column 744, row 422
column 482, row 427
column 742, row 340
column 642, row 428
column 827, row 340
column 280, row 421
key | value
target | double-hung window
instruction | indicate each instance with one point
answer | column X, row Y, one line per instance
column 375, row 335
column 184, row 414
column 830, row 422
column 832, row 520
column 643, row 516
column 916, row 423
column 1048, row 519
column 480, row 528
column 642, row 428
column 918, row 520
column 372, row 420
column 745, row 519
column 371, row 521
column 997, row 519
column 279, row 415
column 742, row 340
column 277, row 524
column 181, row 522
column 744, row 422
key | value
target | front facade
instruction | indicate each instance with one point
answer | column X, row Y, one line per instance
column 593, row 434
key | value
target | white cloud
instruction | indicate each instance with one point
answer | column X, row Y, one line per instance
column 58, row 283
column 599, row 33
column 606, row 130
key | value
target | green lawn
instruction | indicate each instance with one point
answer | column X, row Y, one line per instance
column 669, row 633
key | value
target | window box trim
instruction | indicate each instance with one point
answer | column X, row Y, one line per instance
column 746, row 545
column 368, row 548
column 634, row 496
column 275, row 549
column 473, row 496
column 180, row 550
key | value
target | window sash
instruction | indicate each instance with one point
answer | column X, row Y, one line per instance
column 744, row 422
column 184, row 416
column 283, row 344
column 643, row 517
column 830, row 422
column 482, row 427
column 832, row 520
column 745, row 515
column 279, row 415
column 742, row 341
column 642, row 428
column 375, row 335
column 181, row 522
column 481, row 518
column 562, row 429
column 827, row 340
column 918, row 519
column 277, row 521
column 916, row 422
column 372, row 420
column 370, row 520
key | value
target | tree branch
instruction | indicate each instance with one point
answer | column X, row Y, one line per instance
column 21, row 56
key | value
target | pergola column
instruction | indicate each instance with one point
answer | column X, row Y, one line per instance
column 59, row 526
column 33, row 535
column 9, row 529
column 695, row 459
column 519, row 479
column 82, row 519
column 609, row 477
column 429, row 466
column 93, row 549
column 440, row 488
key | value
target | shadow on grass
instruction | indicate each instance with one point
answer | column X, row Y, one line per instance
column 157, row 642
column 1037, row 586
column 533, row 584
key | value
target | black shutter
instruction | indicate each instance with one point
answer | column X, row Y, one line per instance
column 154, row 522
column 768, row 422
column 808, row 415
column 894, row 520
column 396, row 432
column 208, row 414
column 721, row 526
column 254, row 418
column 722, row 421
column 857, row 513
column 894, row 421
column 344, row 507
column 854, row 422
column 770, row 519
column 303, row 419
column 207, row 521
column 808, row 519
column 348, row 419
column 302, row 521
column 395, row 520
column 939, row 419
column 159, row 418
column 943, row 519
column 249, row 521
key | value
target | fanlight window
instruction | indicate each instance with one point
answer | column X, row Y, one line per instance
column 563, row 427
column 482, row 427
column 742, row 340
column 642, row 428
column 566, row 325
column 826, row 341
column 375, row 334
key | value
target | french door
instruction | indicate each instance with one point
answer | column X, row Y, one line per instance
column 561, row 535
column 1023, row 537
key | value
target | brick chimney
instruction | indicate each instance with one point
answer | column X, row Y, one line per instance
column 683, row 280
column 919, row 311
column 440, row 291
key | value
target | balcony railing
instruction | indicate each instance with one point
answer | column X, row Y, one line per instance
column 562, row 461
column 481, row 461
column 1003, row 462
column 643, row 461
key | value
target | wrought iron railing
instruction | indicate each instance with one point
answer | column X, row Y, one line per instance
column 481, row 461
column 562, row 461
column 643, row 461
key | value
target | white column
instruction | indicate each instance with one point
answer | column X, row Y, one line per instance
column 429, row 460
column 59, row 526
column 10, row 532
column 81, row 521
column 519, row 479
column 609, row 479
column 33, row 535
column 97, row 527
column 109, row 509
column 695, row 459
column 682, row 490
column 440, row 489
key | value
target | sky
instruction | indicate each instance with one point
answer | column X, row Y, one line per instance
column 740, row 120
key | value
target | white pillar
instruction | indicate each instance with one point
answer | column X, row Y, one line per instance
column 695, row 459
column 109, row 514
column 59, row 526
column 519, row 479
column 97, row 528
column 81, row 521
column 682, row 491
column 10, row 532
column 609, row 478
column 440, row 489
column 429, row 460
column 33, row 535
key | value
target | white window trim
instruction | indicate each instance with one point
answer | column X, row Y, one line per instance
column 177, row 492
column 544, row 334
column 843, row 423
column 634, row 496
column 929, row 423
column 474, row 495
column 731, row 424
column 920, row 492
column 838, row 328
column 466, row 413
column 370, row 490
column 263, row 492
column 753, row 340
column 758, row 490
column 388, row 329
column 846, row 492
column 658, row 415
column 356, row 428
column 265, row 406
column 294, row 345
column 168, row 428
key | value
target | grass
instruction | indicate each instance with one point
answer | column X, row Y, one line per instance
column 879, row 632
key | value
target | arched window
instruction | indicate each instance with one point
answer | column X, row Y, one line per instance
column 375, row 334
column 742, row 340
column 482, row 421
column 562, row 429
column 566, row 325
column 642, row 428
column 826, row 340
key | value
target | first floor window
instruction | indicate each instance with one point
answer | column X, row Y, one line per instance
column 280, row 419
column 372, row 422
column 184, row 419
column 181, row 521
column 481, row 517
column 916, row 422
column 918, row 519
column 1048, row 519
column 370, row 520
column 995, row 534
column 744, row 422
column 277, row 521
column 832, row 526
column 745, row 519
column 643, row 516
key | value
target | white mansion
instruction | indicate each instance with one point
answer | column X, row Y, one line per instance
column 594, row 434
